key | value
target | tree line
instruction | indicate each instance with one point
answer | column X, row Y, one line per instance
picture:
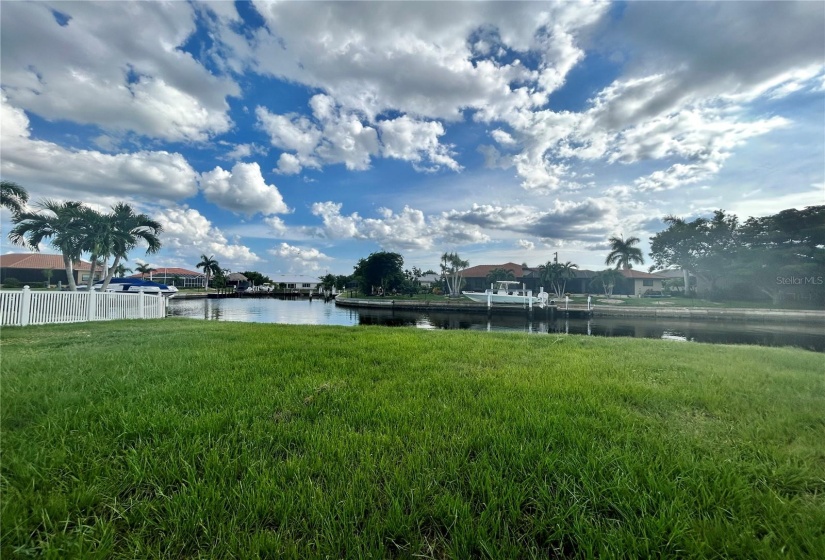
column 766, row 256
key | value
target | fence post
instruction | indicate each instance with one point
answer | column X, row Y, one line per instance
column 141, row 311
column 90, row 315
column 25, row 306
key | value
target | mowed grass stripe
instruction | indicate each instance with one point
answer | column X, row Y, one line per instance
column 179, row 438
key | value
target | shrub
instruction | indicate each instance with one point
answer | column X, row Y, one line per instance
column 12, row 283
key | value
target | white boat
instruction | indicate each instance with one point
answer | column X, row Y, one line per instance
column 505, row 292
column 136, row 285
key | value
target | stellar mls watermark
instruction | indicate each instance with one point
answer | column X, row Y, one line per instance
column 800, row 280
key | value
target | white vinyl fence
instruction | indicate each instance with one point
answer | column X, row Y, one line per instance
column 24, row 307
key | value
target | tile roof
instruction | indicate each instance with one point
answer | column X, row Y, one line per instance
column 182, row 272
column 39, row 261
column 638, row 274
column 294, row 279
column 482, row 270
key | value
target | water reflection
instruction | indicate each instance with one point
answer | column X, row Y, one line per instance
column 303, row 312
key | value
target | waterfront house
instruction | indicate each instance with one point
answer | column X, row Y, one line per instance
column 429, row 280
column 33, row 269
column 180, row 277
column 475, row 277
column 638, row 283
column 295, row 283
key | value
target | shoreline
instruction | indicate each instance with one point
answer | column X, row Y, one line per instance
column 691, row 313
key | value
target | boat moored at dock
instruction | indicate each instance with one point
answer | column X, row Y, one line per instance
column 506, row 292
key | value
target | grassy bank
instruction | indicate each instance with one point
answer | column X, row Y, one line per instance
column 181, row 438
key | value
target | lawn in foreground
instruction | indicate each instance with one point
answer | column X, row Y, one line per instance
column 179, row 438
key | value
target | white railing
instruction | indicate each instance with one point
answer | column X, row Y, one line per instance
column 24, row 307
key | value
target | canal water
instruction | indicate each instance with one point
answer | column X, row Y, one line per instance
column 316, row 312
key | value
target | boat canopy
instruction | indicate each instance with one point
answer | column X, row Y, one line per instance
column 135, row 282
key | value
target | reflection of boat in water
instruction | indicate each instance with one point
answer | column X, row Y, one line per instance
column 504, row 292
column 136, row 285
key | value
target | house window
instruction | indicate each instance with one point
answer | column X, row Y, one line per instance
column 647, row 283
column 305, row 286
column 84, row 277
column 290, row 285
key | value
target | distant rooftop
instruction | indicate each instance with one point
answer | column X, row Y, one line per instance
column 40, row 261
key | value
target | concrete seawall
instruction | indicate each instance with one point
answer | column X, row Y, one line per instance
column 690, row 313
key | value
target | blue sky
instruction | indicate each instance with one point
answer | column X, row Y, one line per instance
column 298, row 137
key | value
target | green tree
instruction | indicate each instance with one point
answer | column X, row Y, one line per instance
column 555, row 275
column 411, row 284
column 144, row 269
column 47, row 274
column 761, row 255
column 13, row 196
column 623, row 253
column 221, row 277
column 58, row 222
column 784, row 251
column 97, row 237
column 452, row 265
column 121, row 270
column 606, row 280
column 126, row 230
column 257, row 278
column 383, row 269
column 703, row 246
column 499, row 274
column 327, row 281
column 210, row 266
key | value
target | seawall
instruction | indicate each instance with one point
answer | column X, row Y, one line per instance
column 690, row 313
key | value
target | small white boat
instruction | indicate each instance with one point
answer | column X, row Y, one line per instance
column 504, row 292
column 136, row 285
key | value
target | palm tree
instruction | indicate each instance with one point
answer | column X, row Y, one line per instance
column 210, row 266
column 623, row 254
column 451, row 268
column 145, row 269
column 556, row 274
column 120, row 270
column 607, row 280
column 498, row 274
column 97, row 238
column 13, row 196
column 128, row 230
column 60, row 223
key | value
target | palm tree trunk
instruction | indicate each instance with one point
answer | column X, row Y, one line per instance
column 110, row 274
column 67, row 262
column 92, row 272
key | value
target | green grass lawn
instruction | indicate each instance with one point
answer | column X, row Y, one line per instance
column 182, row 439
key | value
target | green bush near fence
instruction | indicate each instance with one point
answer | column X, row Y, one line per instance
column 184, row 439
column 12, row 283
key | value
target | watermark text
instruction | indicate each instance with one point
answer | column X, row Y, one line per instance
column 800, row 280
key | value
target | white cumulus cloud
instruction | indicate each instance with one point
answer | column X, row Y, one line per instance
column 243, row 189
column 64, row 172
column 116, row 65
column 188, row 234
column 300, row 258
